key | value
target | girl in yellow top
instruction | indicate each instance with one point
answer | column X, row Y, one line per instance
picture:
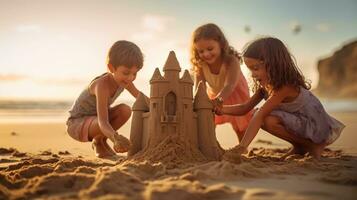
column 217, row 64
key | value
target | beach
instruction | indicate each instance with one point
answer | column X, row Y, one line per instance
column 91, row 56
column 39, row 160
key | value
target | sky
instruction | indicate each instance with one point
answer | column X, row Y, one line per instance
column 52, row 49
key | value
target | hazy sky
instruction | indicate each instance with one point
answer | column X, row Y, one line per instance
column 52, row 49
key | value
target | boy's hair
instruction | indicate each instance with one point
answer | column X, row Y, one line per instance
column 211, row 32
column 125, row 53
column 280, row 64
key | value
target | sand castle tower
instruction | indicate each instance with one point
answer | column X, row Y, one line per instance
column 172, row 120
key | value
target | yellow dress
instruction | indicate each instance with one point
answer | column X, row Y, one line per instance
column 215, row 83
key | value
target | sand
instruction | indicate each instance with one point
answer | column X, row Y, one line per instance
column 39, row 160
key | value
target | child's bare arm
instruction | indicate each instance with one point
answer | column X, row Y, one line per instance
column 273, row 101
column 102, row 94
column 135, row 92
column 132, row 90
column 242, row 109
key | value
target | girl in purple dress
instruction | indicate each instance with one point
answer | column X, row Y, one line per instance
column 290, row 112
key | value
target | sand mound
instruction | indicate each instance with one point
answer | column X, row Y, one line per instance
column 70, row 177
column 173, row 152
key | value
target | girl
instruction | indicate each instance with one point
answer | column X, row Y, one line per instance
column 290, row 112
column 218, row 65
column 91, row 117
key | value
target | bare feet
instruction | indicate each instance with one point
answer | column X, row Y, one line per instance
column 121, row 143
column 109, row 149
column 316, row 150
column 99, row 145
column 295, row 150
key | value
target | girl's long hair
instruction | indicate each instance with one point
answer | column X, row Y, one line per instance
column 280, row 64
column 211, row 32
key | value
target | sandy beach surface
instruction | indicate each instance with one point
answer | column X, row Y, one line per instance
column 39, row 160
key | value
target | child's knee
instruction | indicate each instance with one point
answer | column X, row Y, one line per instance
column 124, row 111
column 271, row 123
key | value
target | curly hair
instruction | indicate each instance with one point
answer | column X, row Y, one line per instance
column 280, row 64
column 212, row 32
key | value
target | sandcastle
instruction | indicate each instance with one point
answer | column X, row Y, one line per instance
column 173, row 115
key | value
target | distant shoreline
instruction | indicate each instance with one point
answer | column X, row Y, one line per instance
column 28, row 106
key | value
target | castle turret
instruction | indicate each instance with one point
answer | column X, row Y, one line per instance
column 201, row 99
column 156, row 76
column 154, row 82
column 136, row 134
column 207, row 142
column 187, row 83
column 172, row 67
column 188, row 125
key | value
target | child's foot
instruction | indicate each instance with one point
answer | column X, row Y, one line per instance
column 98, row 145
column 316, row 150
column 121, row 143
column 295, row 150
column 108, row 148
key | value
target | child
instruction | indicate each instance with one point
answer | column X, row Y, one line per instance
column 218, row 64
column 91, row 117
column 290, row 112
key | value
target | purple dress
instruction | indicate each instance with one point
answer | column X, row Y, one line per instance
column 306, row 117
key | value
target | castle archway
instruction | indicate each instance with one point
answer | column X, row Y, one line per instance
column 170, row 103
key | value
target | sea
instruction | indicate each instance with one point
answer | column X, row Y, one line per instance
column 26, row 111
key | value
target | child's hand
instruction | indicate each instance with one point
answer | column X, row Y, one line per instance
column 218, row 110
column 218, row 105
column 234, row 154
column 217, row 102
column 240, row 149
column 121, row 143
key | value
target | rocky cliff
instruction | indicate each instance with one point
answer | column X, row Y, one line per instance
column 338, row 73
